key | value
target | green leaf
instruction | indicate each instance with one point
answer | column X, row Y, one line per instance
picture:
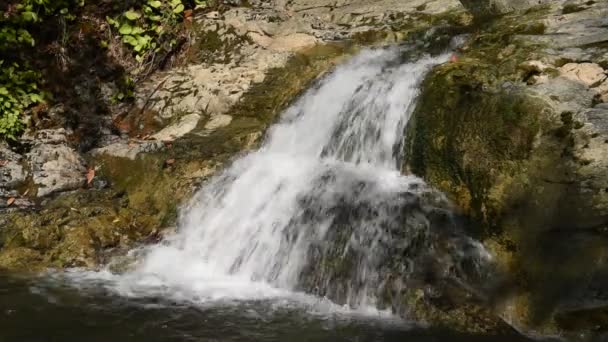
column 36, row 98
column 125, row 29
column 155, row 3
column 130, row 40
column 132, row 15
column 29, row 16
column 112, row 21
column 175, row 3
column 137, row 30
column 3, row 91
column 178, row 9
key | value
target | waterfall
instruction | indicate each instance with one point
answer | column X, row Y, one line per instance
column 329, row 169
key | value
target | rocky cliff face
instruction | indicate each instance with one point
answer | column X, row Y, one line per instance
column 514, row 130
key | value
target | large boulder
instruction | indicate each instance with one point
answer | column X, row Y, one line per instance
column 492, row 8
column 515, row 133
column 55, row 165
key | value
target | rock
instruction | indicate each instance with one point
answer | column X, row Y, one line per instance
column 12, row 172
column 527, row 161
column 46, row 136
column 589, row 74
column 56, row 167
column 185, row 124
column 534, row 66
column 218, row 121
column 492, row 8
column 235, row 50
column 129, row 150
column 602, row 90
column 576, row 29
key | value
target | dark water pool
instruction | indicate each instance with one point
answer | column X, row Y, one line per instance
column 31, row 310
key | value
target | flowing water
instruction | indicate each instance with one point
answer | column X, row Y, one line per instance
column 248, row 233
column 240, row 263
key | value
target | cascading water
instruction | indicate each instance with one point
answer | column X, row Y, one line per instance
column 329, row 170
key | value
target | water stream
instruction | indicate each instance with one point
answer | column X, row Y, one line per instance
column 248, row 233
column 249, row 259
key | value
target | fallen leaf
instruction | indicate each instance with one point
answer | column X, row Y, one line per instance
column 10, row 201
column 25, row 193
column 188, row 13
column 3, row 162
column 116, row 221
column 170, row 161
column 454, row 58
column 90, row 175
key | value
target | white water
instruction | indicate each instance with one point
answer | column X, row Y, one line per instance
column 247, row 233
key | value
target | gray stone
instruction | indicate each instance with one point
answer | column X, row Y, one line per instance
column 12, row 172
column 129, row 150
column 54, row 165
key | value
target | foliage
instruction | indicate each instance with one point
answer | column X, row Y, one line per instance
column 148, row 29
column 18, row 90
column 19, row 87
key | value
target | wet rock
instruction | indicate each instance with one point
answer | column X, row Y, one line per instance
column 590, row 74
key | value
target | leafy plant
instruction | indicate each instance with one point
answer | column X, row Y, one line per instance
column 18, row 90
column 149, row 28
column 18, row 82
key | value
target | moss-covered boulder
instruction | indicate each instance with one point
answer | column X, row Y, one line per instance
column 520, row 148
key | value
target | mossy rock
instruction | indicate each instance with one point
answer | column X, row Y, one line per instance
column 506, row 157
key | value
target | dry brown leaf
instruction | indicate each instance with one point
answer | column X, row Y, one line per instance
column 170, row 161
column 90, row 175
column 3, row 162
column 10, row 201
